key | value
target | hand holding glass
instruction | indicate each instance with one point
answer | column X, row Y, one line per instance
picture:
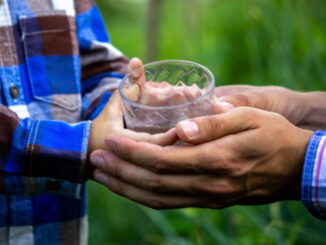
column 158, row 95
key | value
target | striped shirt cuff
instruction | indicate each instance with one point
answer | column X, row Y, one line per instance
column 313, row 192
column 58, row 150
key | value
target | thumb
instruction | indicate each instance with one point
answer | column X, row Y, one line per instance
column 208, row 128
column 136, row 71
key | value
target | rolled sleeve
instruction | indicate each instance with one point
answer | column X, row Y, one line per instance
column 313, row 191
column 57, row 149
column 48, row 149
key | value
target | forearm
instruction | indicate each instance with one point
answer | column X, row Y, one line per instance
column 314, row 116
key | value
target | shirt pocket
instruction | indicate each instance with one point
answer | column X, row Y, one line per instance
column 52, row 58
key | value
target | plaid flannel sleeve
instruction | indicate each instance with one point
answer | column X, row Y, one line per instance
column 42, row 148
column 103, row 65
column 313, row 192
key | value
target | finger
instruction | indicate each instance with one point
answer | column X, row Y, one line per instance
column 243, row 99
column 221, row 107
column 167, row 138
column 195, row 185
column 192, row 92
column 171, row 159
column 246, row 97
column 147, row 198
column 208, row 128
column 159, row 84
column 231, row 89
column 132, row 93
column 154, row 95
column 175, row 98
column 136, row 71
column 143, row 178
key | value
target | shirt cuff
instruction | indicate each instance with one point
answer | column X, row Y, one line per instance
column 19, row 185
column 313, row 191
column 58, row 150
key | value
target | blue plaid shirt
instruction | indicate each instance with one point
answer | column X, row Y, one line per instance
column 313, row 191
column 57, row 67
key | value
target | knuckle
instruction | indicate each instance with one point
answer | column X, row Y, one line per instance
column 158, row 165
column 209, row 189
column 221, row 167
column 277, row 116
column 213, row 205
column 240, row 100
column 221, row 188
column 113, row 146
column 120, row 190
column 155, row 204
column 213, row 125
column 249, row 114
column 116, row 187
column 154, row 184
column 114, row 169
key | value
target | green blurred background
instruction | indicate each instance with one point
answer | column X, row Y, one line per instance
column 260, row 42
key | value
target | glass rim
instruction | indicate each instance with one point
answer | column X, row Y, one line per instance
column 210, row 87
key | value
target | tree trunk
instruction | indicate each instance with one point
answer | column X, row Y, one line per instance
column 152, row 32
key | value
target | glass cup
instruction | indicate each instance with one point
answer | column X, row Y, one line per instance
column 158, row 95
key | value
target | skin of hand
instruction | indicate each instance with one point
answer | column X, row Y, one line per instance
column 152, row 93
column 243, row 156
column 158, row 93
column 110, row 122
column 306, row 110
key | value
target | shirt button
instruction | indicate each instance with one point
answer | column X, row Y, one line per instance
column 14, row 92
column 52, row 185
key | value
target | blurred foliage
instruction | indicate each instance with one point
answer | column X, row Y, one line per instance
column 260, row 42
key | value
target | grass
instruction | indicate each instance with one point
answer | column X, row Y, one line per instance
column 260, row 42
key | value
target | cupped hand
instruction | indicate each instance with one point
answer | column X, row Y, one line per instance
column 110, row 122
column 243, row 156
column 291, row 104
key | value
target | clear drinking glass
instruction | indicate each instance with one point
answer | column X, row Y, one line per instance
column 158, row 95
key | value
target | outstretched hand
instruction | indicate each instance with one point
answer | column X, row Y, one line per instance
column 243, row 156
column 292, row 105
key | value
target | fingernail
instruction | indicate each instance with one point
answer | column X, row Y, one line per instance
column 190, row 129
column 100, row 177
column 110, row 144
column 97, row 161
column 226, row 105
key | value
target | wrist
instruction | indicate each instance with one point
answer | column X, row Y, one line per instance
column 291, row 104
column 314, row 113
column 300, row 146
column 91, row 140
column 98, row 131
